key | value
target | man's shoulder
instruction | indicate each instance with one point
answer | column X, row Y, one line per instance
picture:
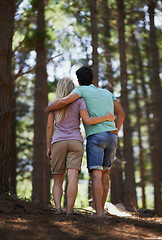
column 81, row 90
column 107, row 92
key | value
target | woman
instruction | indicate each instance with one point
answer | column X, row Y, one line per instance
column 65, row 148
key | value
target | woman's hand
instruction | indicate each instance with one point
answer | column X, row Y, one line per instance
column 49, row 153
column 110, row 117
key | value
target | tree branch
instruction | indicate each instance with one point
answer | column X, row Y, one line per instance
column 20, row 73
column 22, row 41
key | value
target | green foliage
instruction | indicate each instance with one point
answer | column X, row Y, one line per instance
column 24, row 186
column 52, row 86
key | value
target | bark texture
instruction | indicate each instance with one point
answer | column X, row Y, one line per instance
column 41, row 165
column 7, row 8
column 157, row 110
column 129, row 183
column 94, row 33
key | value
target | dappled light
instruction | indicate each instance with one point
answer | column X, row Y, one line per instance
column 22, row 220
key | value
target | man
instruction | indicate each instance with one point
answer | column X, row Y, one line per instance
column 102, row 137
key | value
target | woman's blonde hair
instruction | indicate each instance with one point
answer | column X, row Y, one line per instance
column 64, row 87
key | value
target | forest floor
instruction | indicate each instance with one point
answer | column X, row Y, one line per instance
column 20, row 220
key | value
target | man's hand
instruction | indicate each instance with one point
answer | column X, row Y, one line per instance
column 110, row 117
column 49, row 153
column 60, row 103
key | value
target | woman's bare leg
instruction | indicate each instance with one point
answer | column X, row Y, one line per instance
column 57, row 190
column 72, row 188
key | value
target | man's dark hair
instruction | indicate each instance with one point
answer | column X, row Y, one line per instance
column 85, row 75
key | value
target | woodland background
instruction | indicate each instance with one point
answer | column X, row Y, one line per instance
column 41, row 41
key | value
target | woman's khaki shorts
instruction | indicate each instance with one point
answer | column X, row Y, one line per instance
column 66, row 154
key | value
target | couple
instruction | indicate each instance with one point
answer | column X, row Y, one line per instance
column 65, row 148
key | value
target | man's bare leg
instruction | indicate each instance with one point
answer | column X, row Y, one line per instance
column 57, row 190
column 105, row 184
column 72, row 188
column 97, row 190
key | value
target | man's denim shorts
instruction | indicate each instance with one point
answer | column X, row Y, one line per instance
column 101, row 150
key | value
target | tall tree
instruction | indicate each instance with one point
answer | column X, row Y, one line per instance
column 116, row 173
column 94, row 33
column 138, row 121
column 41, row 166
column 13, row 156
column 6, row 89
column 146, row 99
column 157, row 108
column 106, row 43
column 129, row 184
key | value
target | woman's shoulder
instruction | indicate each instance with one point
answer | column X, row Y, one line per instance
column 79, row 100
column 77, row 103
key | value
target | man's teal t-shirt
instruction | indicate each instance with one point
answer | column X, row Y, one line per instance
column 99, row 102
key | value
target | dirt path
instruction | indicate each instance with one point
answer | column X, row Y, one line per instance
column 22, row 220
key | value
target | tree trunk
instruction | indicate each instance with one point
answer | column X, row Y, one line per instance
column 147, row 108
column 13, row 158
column 106, row 42
column 41, row 166
column 129, row 184
column 117, row 185
column 7, row 8
column 138, row 122
column 94, row 32
column 141, row 157
column 157, row 110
